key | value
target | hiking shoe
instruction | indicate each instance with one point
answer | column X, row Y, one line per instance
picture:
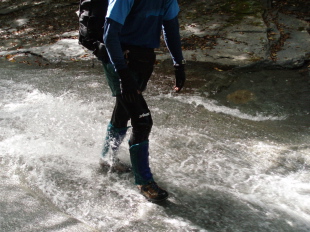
column 153, row 192
column 116, row 166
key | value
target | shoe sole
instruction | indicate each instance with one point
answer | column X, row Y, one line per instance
column 154, row 199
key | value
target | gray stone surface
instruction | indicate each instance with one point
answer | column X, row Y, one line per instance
column 296, row 48
column 229, row 42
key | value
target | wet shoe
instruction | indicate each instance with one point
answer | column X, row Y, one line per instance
column 116, row 166
column 153, row 192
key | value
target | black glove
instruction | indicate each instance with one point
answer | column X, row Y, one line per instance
column 101, row 52
column 128, row 86
column 179, row 77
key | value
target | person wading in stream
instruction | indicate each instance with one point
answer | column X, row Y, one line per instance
column 131, row 32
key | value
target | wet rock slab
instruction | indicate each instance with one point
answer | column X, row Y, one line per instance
column 296, row 48
column 210, row 32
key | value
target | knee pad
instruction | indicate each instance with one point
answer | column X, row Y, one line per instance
column 140, row 132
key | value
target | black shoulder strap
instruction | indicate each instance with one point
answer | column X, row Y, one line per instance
column 99, row 8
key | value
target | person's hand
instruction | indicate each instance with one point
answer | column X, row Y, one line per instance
column 128, row 86
column 179, row 77
column 100, row 49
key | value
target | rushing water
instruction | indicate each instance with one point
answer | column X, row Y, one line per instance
column 226, row 169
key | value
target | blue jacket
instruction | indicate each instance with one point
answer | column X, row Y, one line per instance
column 141, row 26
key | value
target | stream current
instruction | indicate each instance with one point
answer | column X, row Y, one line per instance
column 227, row 168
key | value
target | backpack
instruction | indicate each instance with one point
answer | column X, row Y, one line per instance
column 91, row 22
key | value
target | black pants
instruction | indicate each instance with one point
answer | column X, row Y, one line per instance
column 140, row 63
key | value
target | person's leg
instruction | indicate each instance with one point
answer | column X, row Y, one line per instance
column 141, row 121
column 117, row 128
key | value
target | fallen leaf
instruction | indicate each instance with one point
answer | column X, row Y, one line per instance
column 217, row 69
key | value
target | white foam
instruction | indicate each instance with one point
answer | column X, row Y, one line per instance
column 54, row 141
column 213, row 106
